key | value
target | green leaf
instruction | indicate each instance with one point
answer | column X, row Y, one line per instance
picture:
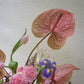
column 13, row 66
column 17, row 45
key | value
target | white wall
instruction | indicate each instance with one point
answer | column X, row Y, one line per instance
column 15, row 15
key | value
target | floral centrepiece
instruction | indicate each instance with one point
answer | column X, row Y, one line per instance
column 57, row 23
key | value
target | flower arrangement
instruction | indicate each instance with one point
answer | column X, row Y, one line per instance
column 58, row 24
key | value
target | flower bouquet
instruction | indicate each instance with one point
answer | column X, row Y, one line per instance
column 58, row 24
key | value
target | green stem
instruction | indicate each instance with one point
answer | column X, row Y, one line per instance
column 36, row 47
column 11, row 57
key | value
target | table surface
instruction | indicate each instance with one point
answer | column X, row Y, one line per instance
column 16, row 15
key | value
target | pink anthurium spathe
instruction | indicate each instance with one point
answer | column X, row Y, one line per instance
column 59, row 22
column 2, row 60
column 62, row 75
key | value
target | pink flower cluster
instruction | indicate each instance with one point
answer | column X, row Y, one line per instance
column 17, row 79
column 24, row 75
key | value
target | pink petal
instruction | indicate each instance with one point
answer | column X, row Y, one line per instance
column 40, row 25
column 64, row 73
column 66, row 25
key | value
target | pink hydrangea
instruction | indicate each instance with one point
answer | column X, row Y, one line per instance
column 17, row 79
column 29, row 72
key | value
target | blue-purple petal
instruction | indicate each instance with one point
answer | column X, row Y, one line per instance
column 44, row 62
column 54, row 63
column 46, row 74
column 41, row 63
column 54, row 66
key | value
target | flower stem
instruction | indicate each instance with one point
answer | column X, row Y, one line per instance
column 36, row 47
column 11, row 57
column 6, row 72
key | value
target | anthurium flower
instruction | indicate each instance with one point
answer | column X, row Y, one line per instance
column 59, row 22
column 48, row 65
column 2, row 60
column 2, row 57
column 62, row 75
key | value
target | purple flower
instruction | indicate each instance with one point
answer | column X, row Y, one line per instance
column 48, row 65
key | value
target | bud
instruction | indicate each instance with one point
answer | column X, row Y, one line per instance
column 25, row 39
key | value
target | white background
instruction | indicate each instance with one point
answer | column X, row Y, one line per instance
column 16, row 15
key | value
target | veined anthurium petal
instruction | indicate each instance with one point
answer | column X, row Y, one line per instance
column 64, row 73
column 46, row 73
column 45, row 22
column 56, row 41
column 66, row 25
column 54, row 20
column 2, row 56
column 40, row 26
